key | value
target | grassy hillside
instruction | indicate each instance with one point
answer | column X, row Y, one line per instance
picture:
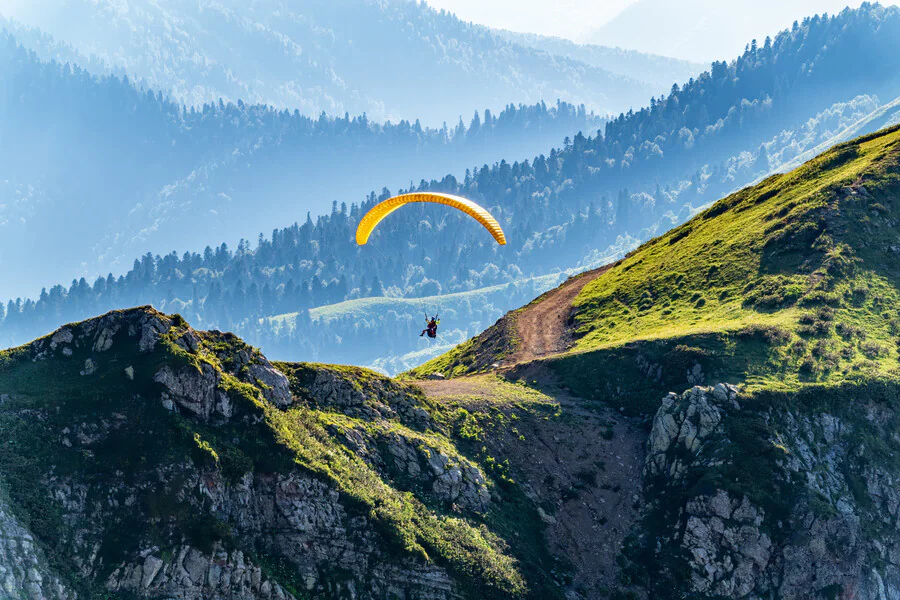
column 790, row 282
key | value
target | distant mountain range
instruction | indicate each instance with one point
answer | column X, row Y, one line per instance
column 701, row 30
column 389, row 59
column 654, row 69
column 590, row 199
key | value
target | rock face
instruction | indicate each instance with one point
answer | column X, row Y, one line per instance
column 24, row 572
column 245, row 532
column 728, row 552
column 195, row 575
column 450, row 477
column 836, row 533
column 194, row 391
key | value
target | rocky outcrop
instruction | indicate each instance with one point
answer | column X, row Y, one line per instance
column 97, row 335
column 191, row 574
column 24, row 573
column 360, row 393
column 451, row 477
column 195, row 390
column 839, row 535
column 683, row 424
column 273, row 383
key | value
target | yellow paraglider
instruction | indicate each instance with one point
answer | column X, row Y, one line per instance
column 383, row 209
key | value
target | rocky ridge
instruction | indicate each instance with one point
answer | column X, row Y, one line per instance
column 831, row 530
column 201, row 520
column 168, row 472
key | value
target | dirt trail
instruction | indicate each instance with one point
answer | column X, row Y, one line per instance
column 542, row 325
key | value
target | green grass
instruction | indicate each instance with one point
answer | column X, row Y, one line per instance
column 363, row 307
column 797, row 254
column 784, row 284
column 698, row 277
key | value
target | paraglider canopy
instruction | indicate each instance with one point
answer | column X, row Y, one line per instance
column 383, row 209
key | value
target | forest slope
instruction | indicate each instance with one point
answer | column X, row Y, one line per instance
column 355, row 56
column 152, row 168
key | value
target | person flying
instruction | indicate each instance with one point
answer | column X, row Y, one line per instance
column 431, row 326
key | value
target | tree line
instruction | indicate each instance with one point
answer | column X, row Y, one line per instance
column 645, row 171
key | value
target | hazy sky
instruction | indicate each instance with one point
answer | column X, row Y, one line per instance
column 572, row 19
column 719, row 28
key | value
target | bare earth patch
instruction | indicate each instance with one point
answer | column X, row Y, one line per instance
column 582, row 467
column 542, row 327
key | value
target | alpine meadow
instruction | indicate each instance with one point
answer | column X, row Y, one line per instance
column 361, row 300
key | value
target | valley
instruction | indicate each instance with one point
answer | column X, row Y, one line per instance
column 675, row 374
column 731, row 447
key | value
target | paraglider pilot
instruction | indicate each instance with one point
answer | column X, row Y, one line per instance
column 431, row 326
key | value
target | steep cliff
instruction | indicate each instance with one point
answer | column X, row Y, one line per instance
column 143, row 457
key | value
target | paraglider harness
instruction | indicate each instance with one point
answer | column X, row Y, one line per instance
column 431, row 326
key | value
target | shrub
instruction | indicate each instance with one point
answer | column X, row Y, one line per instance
column 826, row 313
column 772, row 334
column 772, row 291
column 812, row 324
column 873, row 350
column 850, row 332
column 808, row 365
column 821, row 297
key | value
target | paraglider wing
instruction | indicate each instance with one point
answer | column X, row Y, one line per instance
column 383, row 209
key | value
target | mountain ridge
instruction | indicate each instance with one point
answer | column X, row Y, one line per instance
column 328, row 58
column 569, row 475
column 816, row 216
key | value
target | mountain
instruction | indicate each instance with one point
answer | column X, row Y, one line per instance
column 160, row 461
column 592, row 199
column 143, row 458
column 776, row 487
column 701, row 30
column 661, row 71
column 153, row 168
column 379, row 57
